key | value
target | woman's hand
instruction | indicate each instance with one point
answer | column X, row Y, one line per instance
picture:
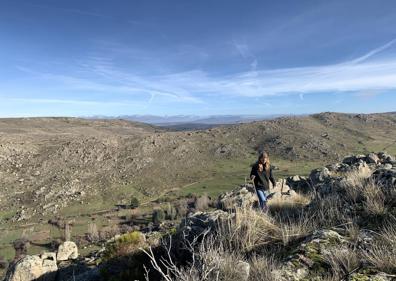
column 260, row 167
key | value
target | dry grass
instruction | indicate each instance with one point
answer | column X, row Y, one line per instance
column 374, row 203
column 202, row 203
column 296, row 201
column 353, row 183
column 248, row 229
column 352, row 231
column 262, row 268
column 93, row 233
column 342, row 261
column 295, row 228
column 382, row 252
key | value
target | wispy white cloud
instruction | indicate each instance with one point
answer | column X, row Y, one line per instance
column 245, row 52
column 356, row 75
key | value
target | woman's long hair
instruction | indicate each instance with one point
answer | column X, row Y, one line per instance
column 267, row 164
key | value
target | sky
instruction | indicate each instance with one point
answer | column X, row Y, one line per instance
column 206, row 57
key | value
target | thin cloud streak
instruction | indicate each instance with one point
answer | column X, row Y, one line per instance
column 373, row 52
column 352, row 76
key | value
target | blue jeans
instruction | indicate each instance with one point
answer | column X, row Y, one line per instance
column 262, row 196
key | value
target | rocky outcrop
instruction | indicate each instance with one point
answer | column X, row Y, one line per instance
column 37, row 267
column 198, row 223
column 67, row 250
column 380, row 167
column 243, row 197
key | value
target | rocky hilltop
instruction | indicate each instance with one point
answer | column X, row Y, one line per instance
column 338, row 223
column 47, row 164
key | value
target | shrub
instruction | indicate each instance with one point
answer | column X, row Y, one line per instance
column 158, row 216
column 126, row 244
column 134, row 202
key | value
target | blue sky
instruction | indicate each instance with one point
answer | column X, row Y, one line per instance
column 207, row 57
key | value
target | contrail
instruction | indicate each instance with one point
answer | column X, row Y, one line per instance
column 373, row 52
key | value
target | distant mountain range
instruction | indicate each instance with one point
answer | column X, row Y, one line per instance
column 175, row 120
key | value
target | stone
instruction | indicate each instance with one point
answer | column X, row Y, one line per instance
column 196, row 224
column 42, row 267
column 319, row 175
column 67, row 250
column 243, row 196
column 372, row 158
column 351, row 160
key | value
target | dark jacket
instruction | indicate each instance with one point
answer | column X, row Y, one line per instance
column 261, row 179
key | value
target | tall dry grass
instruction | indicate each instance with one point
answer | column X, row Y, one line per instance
column 382, row 251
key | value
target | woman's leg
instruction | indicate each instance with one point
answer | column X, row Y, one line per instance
column 262, row 198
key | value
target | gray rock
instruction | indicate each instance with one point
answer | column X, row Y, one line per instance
column 372, row 158
column 196, row 224
column 67, row 250
column 33, row 267
column 319, row 175
column 243, row 196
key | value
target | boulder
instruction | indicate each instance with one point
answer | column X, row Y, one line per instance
column 243, row 196
column 385, row 176
column 67, row 250
column 319, row 175
column 196, row 224
column 298, row 183
column 353, row 159
column 309, row 257
column 37, row 267
column 372, row 158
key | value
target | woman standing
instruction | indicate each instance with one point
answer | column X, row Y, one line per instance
column 261, row 175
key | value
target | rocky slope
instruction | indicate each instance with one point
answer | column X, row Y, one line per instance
column 47, row 164
column 336, row 224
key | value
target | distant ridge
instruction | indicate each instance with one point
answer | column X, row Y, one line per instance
column 175, row 120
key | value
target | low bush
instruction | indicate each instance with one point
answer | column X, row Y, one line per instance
column 134, row 202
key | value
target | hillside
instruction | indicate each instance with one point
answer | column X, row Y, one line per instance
column 47, row 164
column 338, row 223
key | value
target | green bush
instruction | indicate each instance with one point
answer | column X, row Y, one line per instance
column 126, row 244
column 134, row 202
column 158, row 216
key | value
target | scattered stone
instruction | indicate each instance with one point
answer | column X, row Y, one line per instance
column 67, row 250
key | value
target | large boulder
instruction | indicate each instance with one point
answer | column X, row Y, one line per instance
column 309, row 258
column 385, row 176
column 67, row 250
column 37, row 267
column 243, row 196
column 298, row 183
column 198, row 223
